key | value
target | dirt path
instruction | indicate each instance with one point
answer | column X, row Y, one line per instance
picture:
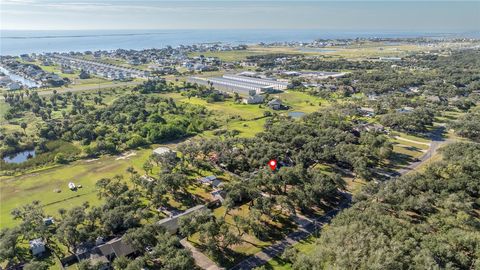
column 412, row 141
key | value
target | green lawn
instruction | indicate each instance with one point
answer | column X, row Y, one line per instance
column 363, row 51
column 40, row 185
column 300, row 101
column 226, row 108
column 248, row 119
column 17, row 191
column 3, row 109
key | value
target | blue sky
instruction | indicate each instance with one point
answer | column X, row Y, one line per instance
column 386, row 15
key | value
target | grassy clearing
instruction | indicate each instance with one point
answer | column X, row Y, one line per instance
column 227, row 108
column 360, row 51
column 412, row 137
column 248, row 119
column 302, row 102
column 39, row 185
column 17, row 191
column 409, row 151
column 412, row 144
column 354, row 185
column 407, row 148
column 3, row 109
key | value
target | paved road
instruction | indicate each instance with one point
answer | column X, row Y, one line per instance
column 437, row 141
column 309, row 226
column 306, row 227
column 82, row 88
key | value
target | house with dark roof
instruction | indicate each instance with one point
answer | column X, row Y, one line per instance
column 115, row 248
column 102, row 253
column 275, row 104
column 207, row 179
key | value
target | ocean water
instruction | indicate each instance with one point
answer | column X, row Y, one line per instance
column 16, row 42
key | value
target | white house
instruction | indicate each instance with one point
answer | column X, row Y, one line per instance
column 37, row 247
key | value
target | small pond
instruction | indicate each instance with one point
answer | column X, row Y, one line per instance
column 19, row 157
column 296, row 114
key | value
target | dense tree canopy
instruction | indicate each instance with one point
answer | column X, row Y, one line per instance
column 414, row 121
column 424, row 221
column 468, row 125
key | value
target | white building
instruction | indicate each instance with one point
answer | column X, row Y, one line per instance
column 255, row 99
column 37, row 247
column 242, row 84
column 162, row 150
column 277, row 85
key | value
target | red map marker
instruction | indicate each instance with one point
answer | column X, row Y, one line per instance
column 273, row 164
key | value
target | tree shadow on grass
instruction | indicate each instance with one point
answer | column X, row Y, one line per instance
column 401, row 159
column 187, row 199
column 225, row 258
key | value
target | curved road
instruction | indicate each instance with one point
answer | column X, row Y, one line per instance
column 438, row 140
column 307, row 226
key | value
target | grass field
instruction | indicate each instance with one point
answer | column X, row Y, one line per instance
column 3, row 109
column 17, row 191
column 359, row 51
column 248, row 119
